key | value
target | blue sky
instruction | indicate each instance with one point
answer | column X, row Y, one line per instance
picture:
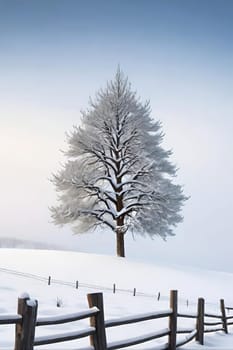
column 177, row 54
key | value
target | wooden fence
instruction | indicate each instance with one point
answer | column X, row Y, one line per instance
column 26, row 322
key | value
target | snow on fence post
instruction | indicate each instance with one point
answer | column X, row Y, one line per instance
column 224, row 319
column 98, row 340
column 25, row 331
column 173, row 320
column 200, row 320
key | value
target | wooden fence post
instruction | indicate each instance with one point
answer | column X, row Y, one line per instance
column 200, row 320
column 224, row 319
column 173, row 320
column 134, row 292
column 98, row 340
column 49, row 280
column 25, row 331
column 114, row 288
column 19, row 327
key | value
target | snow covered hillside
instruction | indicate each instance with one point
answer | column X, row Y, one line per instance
column 28, row 271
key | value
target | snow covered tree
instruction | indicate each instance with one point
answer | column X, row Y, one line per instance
column 117, row 174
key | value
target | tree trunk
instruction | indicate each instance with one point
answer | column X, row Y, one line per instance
column 120, row 243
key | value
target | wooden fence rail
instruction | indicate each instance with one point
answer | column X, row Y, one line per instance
column 26, row 322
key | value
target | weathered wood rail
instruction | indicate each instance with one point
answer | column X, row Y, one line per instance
column 26, row 323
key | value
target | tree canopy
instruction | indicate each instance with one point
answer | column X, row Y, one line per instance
column 117, row 174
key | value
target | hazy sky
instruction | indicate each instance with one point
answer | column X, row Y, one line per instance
column 177, row 53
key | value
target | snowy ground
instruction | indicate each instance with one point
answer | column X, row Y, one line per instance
column 99, row 273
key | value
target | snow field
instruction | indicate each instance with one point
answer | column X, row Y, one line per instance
column 104, row 271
